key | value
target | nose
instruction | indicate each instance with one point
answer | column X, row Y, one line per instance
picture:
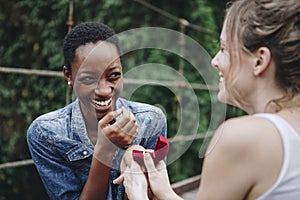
column 103, row 89
column 214, row 62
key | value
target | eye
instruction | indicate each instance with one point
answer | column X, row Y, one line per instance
column 114, row 76
column 88, row 80
column 222, row 47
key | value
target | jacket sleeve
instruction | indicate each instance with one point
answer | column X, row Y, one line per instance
column 57, row 173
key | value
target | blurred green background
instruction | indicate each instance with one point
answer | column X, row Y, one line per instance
column 31, row 35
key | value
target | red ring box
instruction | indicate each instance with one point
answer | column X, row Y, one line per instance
column 159, row 153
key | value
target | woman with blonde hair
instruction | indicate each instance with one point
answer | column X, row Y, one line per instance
column 254, row 156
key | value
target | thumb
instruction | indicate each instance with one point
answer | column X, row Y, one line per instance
column 119, row 180
column 149, row 163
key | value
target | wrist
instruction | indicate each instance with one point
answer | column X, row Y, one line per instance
column 168, row 194
column 143, row 196
column 140, row 193
column 104, row 156
column 171, row 196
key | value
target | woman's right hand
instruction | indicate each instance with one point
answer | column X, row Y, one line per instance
column 159, row 180
column 135, row 182
column 116, row 135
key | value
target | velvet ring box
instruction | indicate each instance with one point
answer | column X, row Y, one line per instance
column 158, row 153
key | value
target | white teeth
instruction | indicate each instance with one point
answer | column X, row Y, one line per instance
column 102, row 103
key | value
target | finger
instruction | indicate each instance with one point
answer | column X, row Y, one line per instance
column 130, row 130
column 125, row 119
column 135, row 167
column 109, row 117
column 119, row 180
column 132, row 118
column 149, row 163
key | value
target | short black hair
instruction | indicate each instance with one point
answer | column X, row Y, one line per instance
column 85, row 33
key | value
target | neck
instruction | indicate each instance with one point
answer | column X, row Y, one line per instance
column 276, row 104
column 263, row 101
column 92, row 130
column 91, row 124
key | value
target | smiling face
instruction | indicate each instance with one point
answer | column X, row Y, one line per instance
column 221, row 62
column 236, row 85
column 97, row 78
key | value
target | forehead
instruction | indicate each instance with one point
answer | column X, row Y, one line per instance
column 96, row 56
column 223, row 33
column 100, row 49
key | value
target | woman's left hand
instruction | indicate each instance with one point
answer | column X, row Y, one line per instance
column 135, row 182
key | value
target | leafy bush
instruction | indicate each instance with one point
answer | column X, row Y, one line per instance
column 31, row 35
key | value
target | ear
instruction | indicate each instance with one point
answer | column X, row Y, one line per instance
column 67, row 74
column 263, row 60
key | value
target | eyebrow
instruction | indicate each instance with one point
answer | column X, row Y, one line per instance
column 86, row 72
column 113, row 68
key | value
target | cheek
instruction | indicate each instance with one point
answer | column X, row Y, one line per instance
column 118, row 88
column 120, row 85
column 225, row 64
column 82, row 91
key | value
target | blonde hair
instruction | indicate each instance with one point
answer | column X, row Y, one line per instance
column 275, row 24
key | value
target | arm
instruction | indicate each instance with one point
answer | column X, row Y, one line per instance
column 60, row 180
column 228, row 166
column 110, row 137
column 50, row 153
column 96, row 185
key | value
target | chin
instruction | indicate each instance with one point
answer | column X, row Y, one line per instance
column 222, row 97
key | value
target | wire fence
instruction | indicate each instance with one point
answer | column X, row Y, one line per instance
column 23, row 71
column 179, row 84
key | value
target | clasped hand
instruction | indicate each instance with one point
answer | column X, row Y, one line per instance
column 137, row 179
column 117, row 135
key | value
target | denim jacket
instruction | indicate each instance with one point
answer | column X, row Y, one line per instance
column 62, row 151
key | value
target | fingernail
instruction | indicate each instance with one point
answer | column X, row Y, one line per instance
column 119, row 111
column 147, row 155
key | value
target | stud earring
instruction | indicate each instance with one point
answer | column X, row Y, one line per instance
column 69, row 92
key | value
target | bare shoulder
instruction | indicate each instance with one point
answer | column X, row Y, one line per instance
column 244, row 134
column 250, row 125
column 246, row 128
column 238, row 147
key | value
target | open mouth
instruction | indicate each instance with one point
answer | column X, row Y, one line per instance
column 102, row 103
column 102, row 106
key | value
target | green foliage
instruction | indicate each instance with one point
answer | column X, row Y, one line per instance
column 31, row 36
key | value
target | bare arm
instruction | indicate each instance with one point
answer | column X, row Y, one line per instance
column 230, row 167
column 96, row 185
column 110, row 137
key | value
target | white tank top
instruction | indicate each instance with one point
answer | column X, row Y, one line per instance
column 287, row 186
